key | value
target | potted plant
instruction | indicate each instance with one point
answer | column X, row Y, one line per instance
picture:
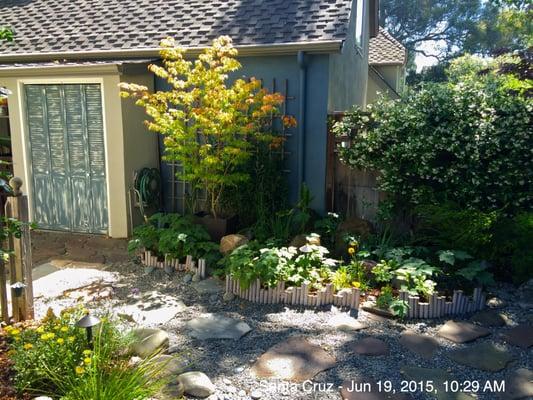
column 210, row 125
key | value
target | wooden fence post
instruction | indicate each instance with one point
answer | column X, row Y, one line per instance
column 20, row 261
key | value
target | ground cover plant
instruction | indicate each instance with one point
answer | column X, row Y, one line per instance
column 53, row 357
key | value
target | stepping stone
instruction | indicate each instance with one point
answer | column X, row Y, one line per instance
column 371, row 347
column 366, row 389
column 519, row 385
column 215, row 326
column 149, row 341
column 344, row 322
column 295, row 359
column 462, row 332
column 438, row 376
column 208, row 286
column 484, row 356
column 488, row 319
column 423, row 345
column 196, row 384
column 521, row 335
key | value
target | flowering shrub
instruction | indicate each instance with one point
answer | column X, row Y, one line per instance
column 467, row 141
column 54, row 358
column 209, row 126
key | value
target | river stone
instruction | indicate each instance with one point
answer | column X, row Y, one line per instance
column 483, row 356
column 149, row 341
column 519, row 385
column 295, row 359
column 215, row 326
column 168, row 365
column 231, row 242
column 462, row 332
column 371, row 347
column 488, row 319
column 521, row 335
column 344, row 322
column 438, row 376
column 196, row 384
column 423, row 345
column 357, row 389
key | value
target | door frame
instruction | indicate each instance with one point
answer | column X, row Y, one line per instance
column 28, row 170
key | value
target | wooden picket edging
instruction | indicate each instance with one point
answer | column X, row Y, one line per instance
column 299, row 296
column 20, row 261
column 191, row 265
column 438, row 307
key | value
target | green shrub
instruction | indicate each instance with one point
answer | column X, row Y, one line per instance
column 176, row 236
column 466, row 141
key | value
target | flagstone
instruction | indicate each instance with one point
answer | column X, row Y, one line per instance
column 295, row 359
column 488, row 318
column 483, row 356
column 521, row 335
column 215, row 326
column 344, row 322
column 519, row 385
column 371, row 347
column 462, row 332
column 423, row 345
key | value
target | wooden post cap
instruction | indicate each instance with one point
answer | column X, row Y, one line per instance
column 16, row 184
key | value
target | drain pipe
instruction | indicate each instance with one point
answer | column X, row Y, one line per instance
column 302, row 63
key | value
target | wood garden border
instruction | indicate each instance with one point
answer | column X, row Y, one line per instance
column 197, row 267
column 299, row 296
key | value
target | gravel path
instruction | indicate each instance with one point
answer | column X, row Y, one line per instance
column 227, row 362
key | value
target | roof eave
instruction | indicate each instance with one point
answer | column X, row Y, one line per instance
column 330, row 46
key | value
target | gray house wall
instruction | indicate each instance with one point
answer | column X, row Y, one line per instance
column 348, row 72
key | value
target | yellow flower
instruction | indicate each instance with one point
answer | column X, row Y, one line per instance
column 15, row 332
column 351, row 251
column 60, row 341
column 47, row 336
column 80, row 370
column 87, row 360
column 8, row 329
column 356, row 284
column 71, row 339
column 40, row 329
column 87, row 353
column 28, row 346
column 64, row 329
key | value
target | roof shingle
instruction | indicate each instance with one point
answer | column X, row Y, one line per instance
column 384, row 49
column 45, row 26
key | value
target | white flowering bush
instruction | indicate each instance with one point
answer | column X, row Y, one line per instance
column 467, row 141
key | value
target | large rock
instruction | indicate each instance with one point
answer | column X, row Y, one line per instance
column 488, row 318
column 214, row 326
column 168, row 366
column 231, row 242
column 484, row 356
column 462, row 332
column 296, row 360
column 196, row 384
column 344, row 322
column 149, row 341
column 301, row 240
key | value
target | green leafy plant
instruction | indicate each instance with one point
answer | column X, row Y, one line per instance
column 327, row 228
column 400, row 308
column 477, row 273
column 384, row 271
column 414, row 276
column 209, row 124
column 385, row 298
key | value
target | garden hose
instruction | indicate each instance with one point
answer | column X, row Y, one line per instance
column 147, row 186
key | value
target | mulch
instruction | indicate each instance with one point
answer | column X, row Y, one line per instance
column 7, row 391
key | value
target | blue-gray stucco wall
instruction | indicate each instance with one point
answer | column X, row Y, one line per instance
column 286, row 69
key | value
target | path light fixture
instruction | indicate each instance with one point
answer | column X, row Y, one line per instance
column 18, row 288
column 88, row 322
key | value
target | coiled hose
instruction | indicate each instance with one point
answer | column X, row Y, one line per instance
column 147, row 186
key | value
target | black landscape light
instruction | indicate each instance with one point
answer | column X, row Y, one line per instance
column 18, row 288
column 88, row 322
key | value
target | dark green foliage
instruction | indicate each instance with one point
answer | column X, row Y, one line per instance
column 176, row 236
